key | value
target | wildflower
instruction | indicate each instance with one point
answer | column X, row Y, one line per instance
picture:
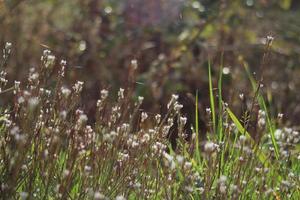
column 23, row 195
column 34, row 76
column 33, row 102
column 187, row 165
column 286, row 183
column 179, row 159
column 99, row 196
column 157, row 118
column 177, row 107
column 223, row 189
column 200, row 190
column 170, row 160
column 261, row 118
column 270, row 39
column 7, row 50
column 82, row 119
column 134, row 64
column 121, row 93
column 63, row 62
column 49, row 61
column 146, row 138
column 140, row 100
column 278, row 134
column 63, row 114
column 46, row 153
column 241, row 96
column 233, row 187
column 144, row 116
column 8, row 45
column 87, row 169
column 17, row 85
column 222, row 179
column 242, row 138
column 172, row 101
column 189, row 188
column 269, row 191
column 66, row 173
column 170, row 121
column 104, row 94
column 209, row 147
column 78, row 87
column 208, row 111
column 120, row 197
column 65, row 92
column 110, row 136
column 183, row 121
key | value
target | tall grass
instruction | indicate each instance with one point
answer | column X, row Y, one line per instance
column 51, row 149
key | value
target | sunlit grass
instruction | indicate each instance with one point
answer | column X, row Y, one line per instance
column 50, row 149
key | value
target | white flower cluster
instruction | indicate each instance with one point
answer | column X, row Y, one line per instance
column 121, row 93
column 78, row 87
column 48, row 59
column 65, row 92
column 261, row 119
column 222, row 184
column 210, row 147
column 7, row 50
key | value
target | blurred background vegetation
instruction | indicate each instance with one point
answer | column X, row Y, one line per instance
column 172, row 40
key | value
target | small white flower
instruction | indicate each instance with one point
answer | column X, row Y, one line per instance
column 241, row 96
column 183, row 120
column 17, row 85
column 270, row 38
column 15, row 130
column 208, row 111
column 140, row 100
column 187, row 165
column 172, row 101
column 179, row 159
column 120, row 197
column 178, row 107
column 144, row 116
column 87, row 168
column 104, row 94
column 242, row 138
column 223, row 189
column 99, row 196
column 210, row 147
column 157, row 118
column 222, row 179
column 121, row 93
column 66, row 173
column 278, row 134
column 65, row 92
column 8, row 45
column 33, row 102
column 189, row 188
column 134, row 64
column 34, row 76
column 63, row 114
column 78, row 87
column 23, row 195
column 49, row 61
column 63, row 62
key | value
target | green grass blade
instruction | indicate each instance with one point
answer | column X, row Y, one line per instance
column 197, row 129
column 263, row 106
column 261, row 156
column 220, row 100
column 211, row 97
